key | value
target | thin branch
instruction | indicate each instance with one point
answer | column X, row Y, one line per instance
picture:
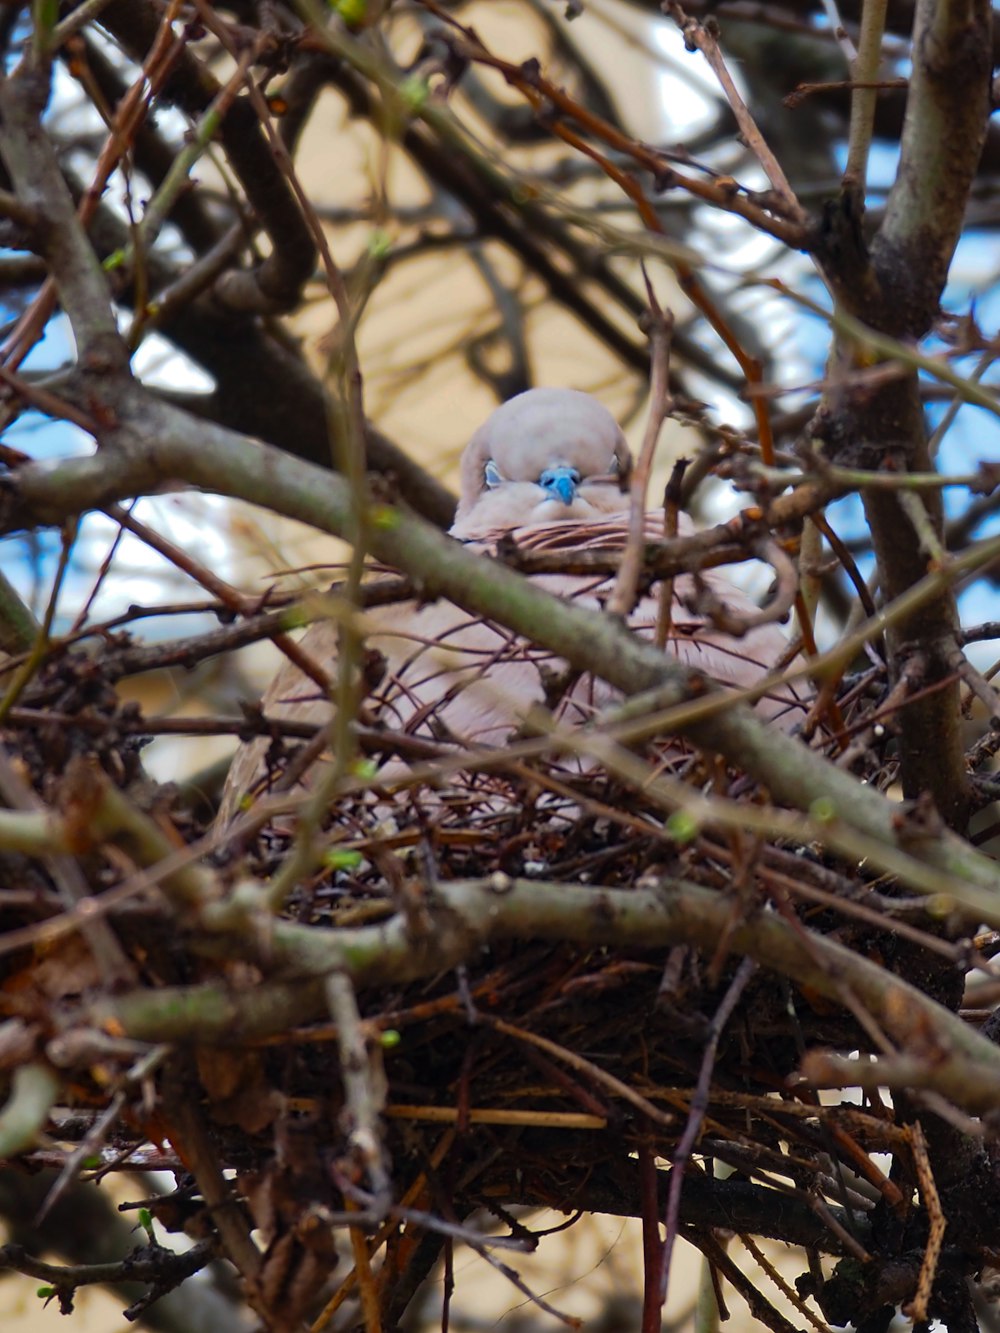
column 698, row 36
column 699, row 1105
column 864, row 74
column 659, row 327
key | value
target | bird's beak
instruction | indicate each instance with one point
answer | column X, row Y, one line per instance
column 560, row 483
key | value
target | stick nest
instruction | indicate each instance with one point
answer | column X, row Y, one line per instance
column 467, row 1062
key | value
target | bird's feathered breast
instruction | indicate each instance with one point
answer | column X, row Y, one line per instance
column 456, row 679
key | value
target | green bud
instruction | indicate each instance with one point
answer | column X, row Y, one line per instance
column 353, row 12
column 341, row 858
column 939, row 905
column 379, row 243
column 823, row 809
column 383, row 517
column 296, row 617
column 414, row 92
column 682, row 827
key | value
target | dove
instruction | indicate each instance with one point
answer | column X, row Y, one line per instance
column 547, row 469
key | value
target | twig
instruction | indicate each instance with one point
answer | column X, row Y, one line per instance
column 786, row 591
column 86, row 11
column 188, row 1132
column 112, row 961
column 160, row 1267
column 652, row 1247
column 364, row 1086
column 790, row 1295
column 697, row 36
column 18, row 627
column 864, row 85
column 785, row 222
column 760, row 1307
column 659, row 326
column 699, row 1105
column 40, row 647
column 228, row 595
column 937, row 1223
column 672, row 494
column 33, row 1090
column 578, row 1062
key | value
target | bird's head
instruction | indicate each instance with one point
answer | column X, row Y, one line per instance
column 546, row 456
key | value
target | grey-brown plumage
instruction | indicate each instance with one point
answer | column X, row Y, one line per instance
column 546, row 468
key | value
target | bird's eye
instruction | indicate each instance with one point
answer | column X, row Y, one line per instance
column 614, row 466
column 492, row 475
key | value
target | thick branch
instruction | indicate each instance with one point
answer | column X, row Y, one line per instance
column 947, row 110
column 961, row 1065
column 898, row 292
column 40, row 186
column 154, row 444
column 737, row 1205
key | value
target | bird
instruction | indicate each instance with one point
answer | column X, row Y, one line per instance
column 548, row 469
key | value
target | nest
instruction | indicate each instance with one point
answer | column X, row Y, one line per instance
column 546, row 1000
